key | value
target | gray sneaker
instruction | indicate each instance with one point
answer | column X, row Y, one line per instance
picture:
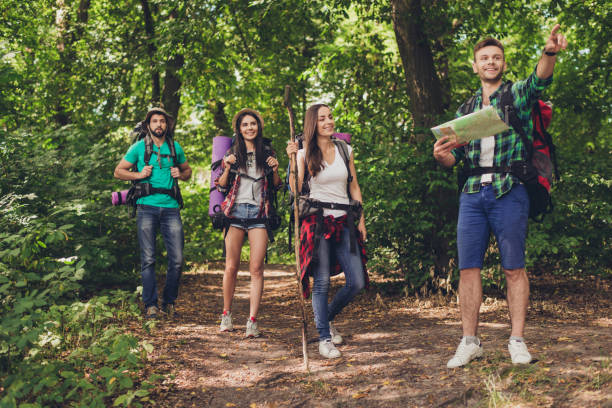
column 226, row 322
column 336, row 338
column 169, row 310
column 151, row 312
column 328, row 350
column 252, row 329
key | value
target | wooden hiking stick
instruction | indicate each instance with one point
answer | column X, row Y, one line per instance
column 294, row 187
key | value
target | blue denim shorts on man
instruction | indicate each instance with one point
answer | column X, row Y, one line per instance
column 245, row 211
column 480, row 214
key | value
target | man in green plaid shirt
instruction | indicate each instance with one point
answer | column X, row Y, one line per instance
column 496, row 202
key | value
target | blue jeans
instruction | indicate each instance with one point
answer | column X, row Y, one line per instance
column 168, row 220
column 353, row 273
column 480, row 214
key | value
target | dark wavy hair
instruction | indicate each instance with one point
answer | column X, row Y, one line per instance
column 240, row 150
column 314, row 156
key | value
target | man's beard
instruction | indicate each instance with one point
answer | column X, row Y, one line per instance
column 159, row 132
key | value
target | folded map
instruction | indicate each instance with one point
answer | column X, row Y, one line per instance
column 476, row 125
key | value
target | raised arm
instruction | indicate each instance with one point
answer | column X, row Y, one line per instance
column 555, row 43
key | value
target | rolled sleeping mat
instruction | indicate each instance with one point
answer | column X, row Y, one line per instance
column 119, row 197
column 343, row 136
column 220, row 145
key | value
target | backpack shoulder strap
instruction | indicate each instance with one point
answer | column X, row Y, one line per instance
column 170, row 142
column 344, row 153
column 511, row 118
column 468, row 106
column 148, row 141
column 343, row 149
column 267, row 149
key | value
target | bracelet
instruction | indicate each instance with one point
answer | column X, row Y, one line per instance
column 550, row 53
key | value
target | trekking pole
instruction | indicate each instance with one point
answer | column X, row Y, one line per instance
column 294, row 187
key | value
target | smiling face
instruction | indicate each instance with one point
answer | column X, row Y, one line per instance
column 249, row 128
column 325, row 122
column 489, row 63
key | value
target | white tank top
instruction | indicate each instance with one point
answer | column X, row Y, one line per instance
column 329, row 184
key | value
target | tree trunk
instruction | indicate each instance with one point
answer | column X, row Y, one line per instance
column 217, row 108
column 171, row 96
column 428, row 101
column 152, row 49
column 427, row 97
column 67, row 37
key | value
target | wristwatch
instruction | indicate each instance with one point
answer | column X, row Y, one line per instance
column 550, row 53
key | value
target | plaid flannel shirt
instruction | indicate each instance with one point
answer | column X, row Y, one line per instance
column 508, row 145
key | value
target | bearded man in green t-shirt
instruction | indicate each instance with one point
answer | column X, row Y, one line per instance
column 160, row 209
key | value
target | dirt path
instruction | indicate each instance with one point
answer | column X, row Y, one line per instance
column 394, row 356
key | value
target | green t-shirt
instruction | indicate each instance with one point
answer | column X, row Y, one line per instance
column 160, row 175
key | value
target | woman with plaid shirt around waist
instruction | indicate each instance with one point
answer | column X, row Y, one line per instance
column 328, row 178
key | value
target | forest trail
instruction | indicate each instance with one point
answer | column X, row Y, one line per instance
column 394, row 355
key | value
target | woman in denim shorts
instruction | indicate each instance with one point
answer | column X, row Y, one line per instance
column 250, row 173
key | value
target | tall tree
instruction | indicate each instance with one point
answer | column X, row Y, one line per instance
column 428, row 102
column 428, row 99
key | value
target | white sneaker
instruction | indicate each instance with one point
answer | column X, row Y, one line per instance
column 464, row 354
column 336, row 338
column 252, row 329
column 518, row 352
column 226, row 322
column 328, row 350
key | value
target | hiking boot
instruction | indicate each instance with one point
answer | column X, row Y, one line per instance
column 151, row 312
column 328, row 350
column 226, row 322
column 464, row 354
column 336, row 338
column 518, row 352
column 252, row 329
column 169, row 310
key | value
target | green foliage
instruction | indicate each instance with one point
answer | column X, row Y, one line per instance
column 74, row 75
column 56, row 350
column 95, row 71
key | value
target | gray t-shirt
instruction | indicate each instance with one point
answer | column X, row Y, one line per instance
column 249, row 192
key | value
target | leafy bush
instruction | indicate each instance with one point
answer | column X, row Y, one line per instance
column 55, row 349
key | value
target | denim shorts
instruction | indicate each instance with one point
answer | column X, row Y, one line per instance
column 480, row 214
column 245, row 211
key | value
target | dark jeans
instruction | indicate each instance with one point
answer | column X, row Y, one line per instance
column 353, row 273
column 168, row 220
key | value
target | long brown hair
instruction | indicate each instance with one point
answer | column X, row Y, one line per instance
column 241, row 151
column 314, row 156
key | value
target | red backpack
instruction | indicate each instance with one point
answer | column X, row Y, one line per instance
column 541, row 115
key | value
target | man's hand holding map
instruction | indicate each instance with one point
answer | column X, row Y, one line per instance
column 476, row 125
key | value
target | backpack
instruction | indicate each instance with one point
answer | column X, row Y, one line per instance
column 539, row 168
column 139, row 189
column 273, row 221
